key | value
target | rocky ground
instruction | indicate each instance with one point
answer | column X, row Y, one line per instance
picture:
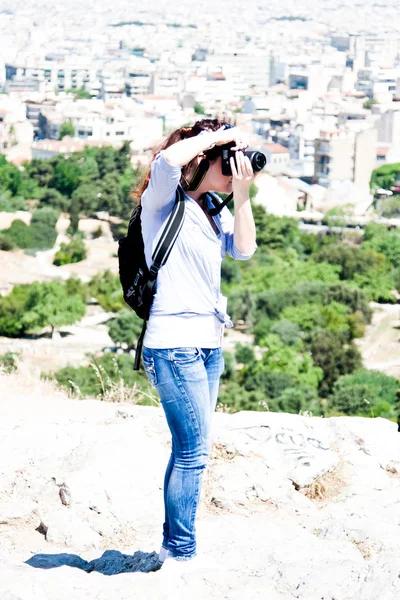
column 292, row 506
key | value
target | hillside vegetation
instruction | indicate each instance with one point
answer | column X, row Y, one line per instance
column 303, row 298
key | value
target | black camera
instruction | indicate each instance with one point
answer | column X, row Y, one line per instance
column 258, row 160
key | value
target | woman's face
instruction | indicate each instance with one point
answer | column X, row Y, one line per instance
column 215, row 180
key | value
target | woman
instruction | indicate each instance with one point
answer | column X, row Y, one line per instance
column 182, row 352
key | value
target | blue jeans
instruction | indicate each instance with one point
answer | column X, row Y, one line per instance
column 187, row 381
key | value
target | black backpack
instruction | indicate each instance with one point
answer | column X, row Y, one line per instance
column 136, row 279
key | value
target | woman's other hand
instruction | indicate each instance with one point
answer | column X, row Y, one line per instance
column 242, row 174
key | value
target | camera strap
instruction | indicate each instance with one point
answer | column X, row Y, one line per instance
column 198, row 176
column 218, row 205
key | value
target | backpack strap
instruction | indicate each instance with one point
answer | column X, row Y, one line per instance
column 159, row 257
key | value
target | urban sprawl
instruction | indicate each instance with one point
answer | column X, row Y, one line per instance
column 315, row 84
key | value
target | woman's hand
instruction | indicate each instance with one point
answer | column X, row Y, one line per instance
column 242, row 175
column 233, row 134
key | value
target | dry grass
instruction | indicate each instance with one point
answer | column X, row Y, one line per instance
column 27, row 383
column 326, row 487
column 364, row 548
column 222, row 452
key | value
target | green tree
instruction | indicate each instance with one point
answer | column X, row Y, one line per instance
column 80, row 94
column 10, row 176
column 385, row 176
column 351, row 260
column 52, row 197
column 123, row 157
column 334, row 358
column 198, row 109
column 74, row 217
column 9, row 203
column 66, row 129
column 40, row 170
column 379, row 239
column 88, row 196
column 66, row 176
column 368, row 104
column 272, row 231
column 111, row 195
column 295, row 362
column 105, row 158
column 50, row 304
column 12, row 311
column 377, row 285
column 125, row 329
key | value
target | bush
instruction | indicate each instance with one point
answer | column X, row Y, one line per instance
column 236, row 398
column 271, row 384
column 40, row 234
column 106, row 288
column 9, row 203
column 242, row 306
column 73, row 252
column 298, row 399
column 6, row 243
column 230, row 366
column 8, row 362
column 19, row 234
column 103, row 374
column 390, row 208
column 374, row 386
column 244, row 354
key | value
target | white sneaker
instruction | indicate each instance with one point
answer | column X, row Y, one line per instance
column 162, row 555
column 171, row 565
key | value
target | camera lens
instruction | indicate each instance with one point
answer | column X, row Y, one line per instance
column 258, row 160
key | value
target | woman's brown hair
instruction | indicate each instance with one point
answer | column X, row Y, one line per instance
column 173, row 138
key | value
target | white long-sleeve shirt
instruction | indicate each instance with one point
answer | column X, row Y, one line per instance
column 188, row 309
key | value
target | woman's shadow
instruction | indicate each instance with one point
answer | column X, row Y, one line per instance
column 112, row 562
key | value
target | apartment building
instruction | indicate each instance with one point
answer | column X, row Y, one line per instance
column 58, row 73
column 344, row 162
